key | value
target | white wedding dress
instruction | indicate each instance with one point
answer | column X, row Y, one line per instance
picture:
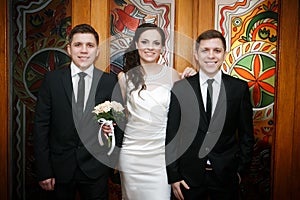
column 142, row 157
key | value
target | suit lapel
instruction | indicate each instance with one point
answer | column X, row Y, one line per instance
column 67, row 83
column 222, row 99
column 195, row 82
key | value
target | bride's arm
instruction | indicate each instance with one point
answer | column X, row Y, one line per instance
column 122, row 83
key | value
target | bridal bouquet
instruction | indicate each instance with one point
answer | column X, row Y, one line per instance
column 108, row 113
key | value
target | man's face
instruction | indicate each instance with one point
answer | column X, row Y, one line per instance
column 83, row 50
column 210, row 56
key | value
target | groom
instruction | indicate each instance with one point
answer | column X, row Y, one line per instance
column 68, row 156
column 209, row 139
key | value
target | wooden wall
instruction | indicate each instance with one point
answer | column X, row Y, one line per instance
column 286, row 145
column 4, row 100
column 87, row 11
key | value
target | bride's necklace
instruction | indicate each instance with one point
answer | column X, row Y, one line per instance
column 156, row 76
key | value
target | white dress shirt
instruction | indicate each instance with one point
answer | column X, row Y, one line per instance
column 216, row 88
column 88, row 80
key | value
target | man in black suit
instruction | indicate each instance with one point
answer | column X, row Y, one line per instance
column 68, row 156
column 209, row 139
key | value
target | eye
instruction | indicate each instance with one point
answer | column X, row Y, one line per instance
column 157, row 43
column 76, row 44
column 218, row 50
column 144, row 42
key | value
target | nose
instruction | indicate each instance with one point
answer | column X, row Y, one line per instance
column 150, row 47
column 211, row 53
column 84, row 48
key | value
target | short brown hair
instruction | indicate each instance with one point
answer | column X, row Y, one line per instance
column 210, row 34
column 83, row 28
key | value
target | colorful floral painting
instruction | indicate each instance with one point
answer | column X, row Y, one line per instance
column 250, row 29
column 38, row 39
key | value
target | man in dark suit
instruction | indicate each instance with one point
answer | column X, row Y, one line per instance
column 209, row 139
column 68, row 156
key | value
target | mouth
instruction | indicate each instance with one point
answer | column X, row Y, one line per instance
column 150, row 53
column 83, row 57
column 211, row 62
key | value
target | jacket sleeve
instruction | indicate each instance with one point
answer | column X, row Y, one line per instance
column 172, row 142
column 41, row 132
column 245, row 131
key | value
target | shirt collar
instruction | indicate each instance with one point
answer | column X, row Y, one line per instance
column 203, row 77
column 75, row 70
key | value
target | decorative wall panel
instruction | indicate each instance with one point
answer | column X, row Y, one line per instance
column 250, row 29
column 38, row 44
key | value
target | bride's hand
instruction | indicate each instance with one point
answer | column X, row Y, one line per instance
column 106, row 129
column 188, row 71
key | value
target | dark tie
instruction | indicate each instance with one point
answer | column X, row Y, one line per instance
column 209, row 99
column 80, row 92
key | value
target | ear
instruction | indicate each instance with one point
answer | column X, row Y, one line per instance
column 196, row 56
column 69, row 49
column 98, row 52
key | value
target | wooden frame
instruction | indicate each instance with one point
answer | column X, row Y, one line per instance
column 286, row 146
column 4, row 102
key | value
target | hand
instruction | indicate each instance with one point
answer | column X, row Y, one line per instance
column 188, row 72
column 48, row 184
column 106, row 129
column 177, row 191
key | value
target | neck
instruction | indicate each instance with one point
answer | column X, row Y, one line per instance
column 151, row 69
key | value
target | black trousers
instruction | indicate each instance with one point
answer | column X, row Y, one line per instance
column 213, row 189
column 88, row 189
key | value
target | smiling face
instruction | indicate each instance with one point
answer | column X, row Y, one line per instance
column 149, row 46
column 83, row 50
column 210, row 55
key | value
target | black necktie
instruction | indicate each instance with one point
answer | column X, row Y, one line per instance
column 209, row 99
column 80, row 92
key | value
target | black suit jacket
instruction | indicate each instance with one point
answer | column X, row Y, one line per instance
column 61, row 144
column 227, row 141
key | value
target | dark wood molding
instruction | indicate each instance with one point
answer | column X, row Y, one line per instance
column 4, row 102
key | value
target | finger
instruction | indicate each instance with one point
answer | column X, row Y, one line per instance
column 185, row 185
column 177, row 195
column 177, row 191
column 45, row 186
column 180, row 195
column 52, row 183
